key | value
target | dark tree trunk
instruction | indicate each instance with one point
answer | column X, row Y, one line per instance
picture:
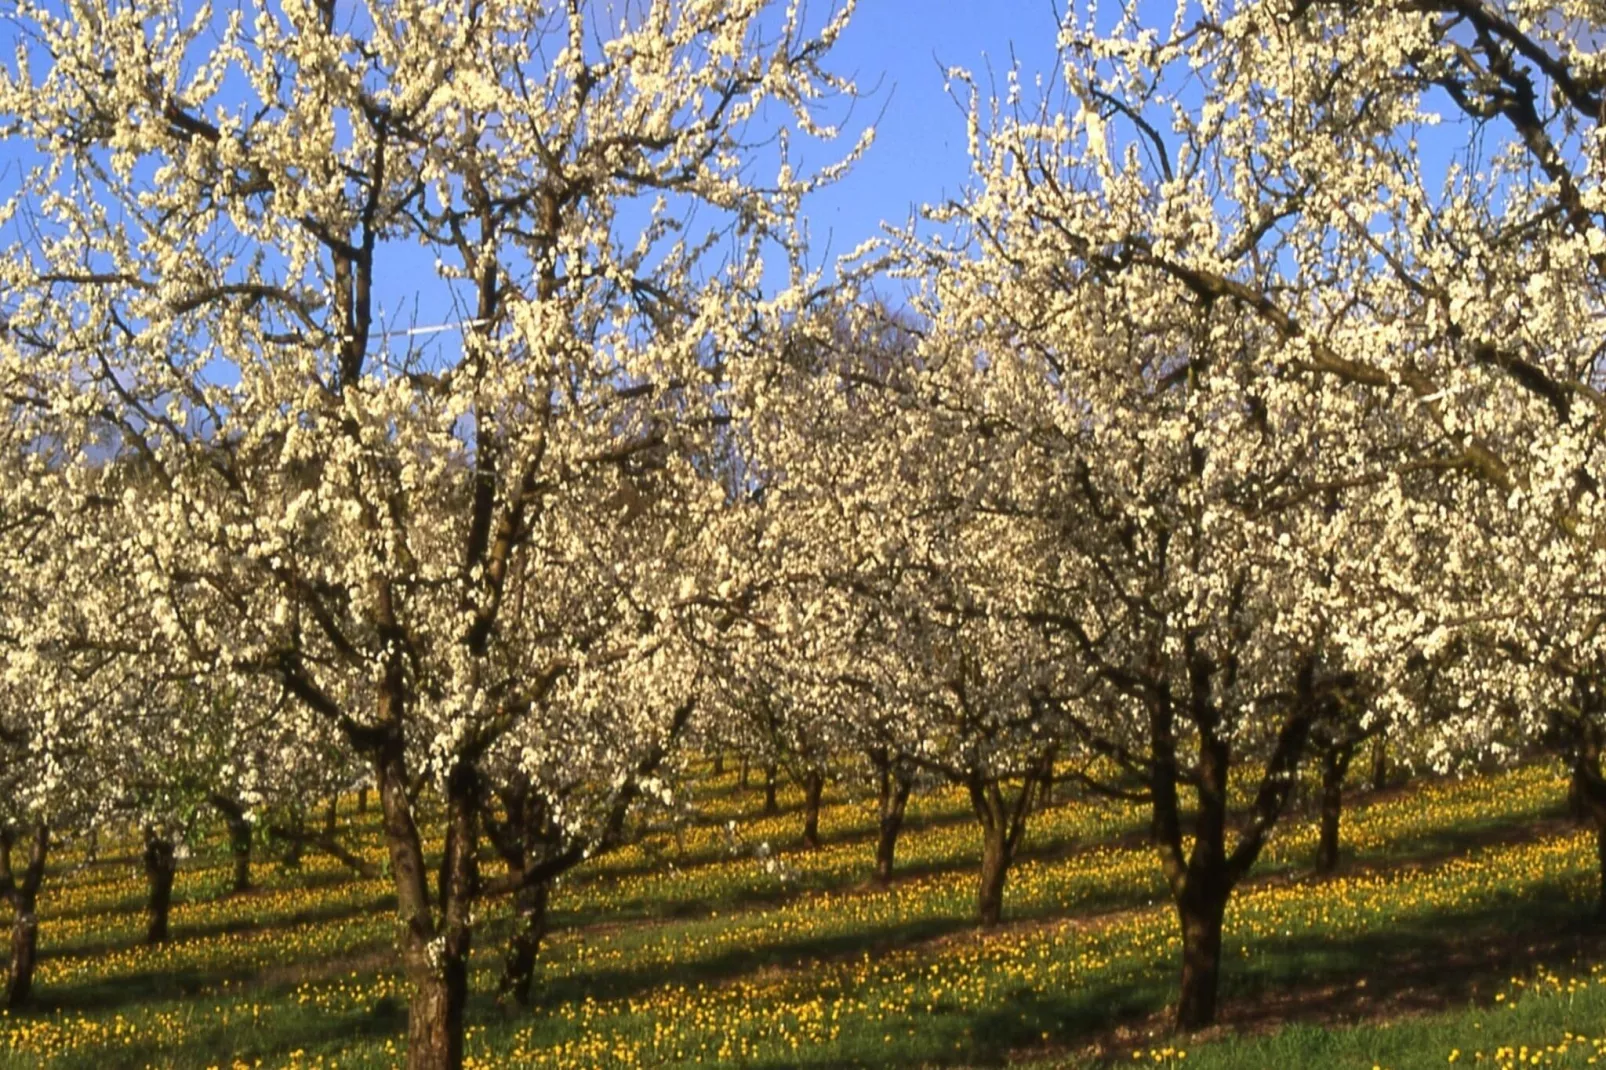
column 1202, row 910
column 240, row 851
column 24, row 898
column 239, row 840
column 892, row 796
column 771, row 804
column 330, row 815
column 742, row 779
column 1588, row 783
column 160, row 867
column 435, row 954
column 1202, row 875
column 296, row 842
column 990, row 881
column 813, row 789
column 529, row 929
column 719, row 763
column 1335, row 765
column 1003, row 824
column 1380, row 763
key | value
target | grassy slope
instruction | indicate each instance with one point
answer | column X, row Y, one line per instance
column 688, row 948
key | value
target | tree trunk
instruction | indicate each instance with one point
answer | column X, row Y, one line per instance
column 160, row 867
column 1202, row 909
column 529, row 929
column 719, row 763
column 239, row 839
column 1588, row 783
column 743, row 778
column 435, row 955
column 240, row 850
column 297, row 841
column 990, row 881
column 362, row 800
column 893, row 799
column 1380, row 763
column 813, row 788
column 1335, row 765
column 771, row 804
column 24, row 897
column 329, row 815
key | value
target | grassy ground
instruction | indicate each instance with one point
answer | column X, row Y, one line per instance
column 1453, row 933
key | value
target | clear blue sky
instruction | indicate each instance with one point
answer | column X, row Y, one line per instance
column 898, row 51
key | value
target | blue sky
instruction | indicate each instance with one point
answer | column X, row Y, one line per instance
column 898, row 51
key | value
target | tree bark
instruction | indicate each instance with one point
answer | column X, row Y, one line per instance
column 1335, row 765
column 1202, row 910
column 719, row 763
column 1591, row 787
column 771, row 804
column 239, row 840
column 530, row 927
column 24, row 898
column 1380, row 763
column 330, row 815
column 435, row 955
column 743, row 778
column 990, row 881
column 813, row 789
column 362, row 800
column 160, row 867
column 892, row 796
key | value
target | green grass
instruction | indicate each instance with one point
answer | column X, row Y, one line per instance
column 675, row 951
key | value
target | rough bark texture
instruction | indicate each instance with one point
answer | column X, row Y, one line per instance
column 1203, row 874
column 995, row 859
column 1201, row 911
column 160, row 867
column 1003, row 824
column 23, row 896
column 1335, row 765
column 435, row 955
column 813, row 789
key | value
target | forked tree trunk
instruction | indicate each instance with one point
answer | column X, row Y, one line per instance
column 892, row 797
column 771, row 804
column 813, row 789
column 1203, row 874
column 435, row 954
column 24, row 898
column 1003, row 824
column 1335, row 765
column 160, row 868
